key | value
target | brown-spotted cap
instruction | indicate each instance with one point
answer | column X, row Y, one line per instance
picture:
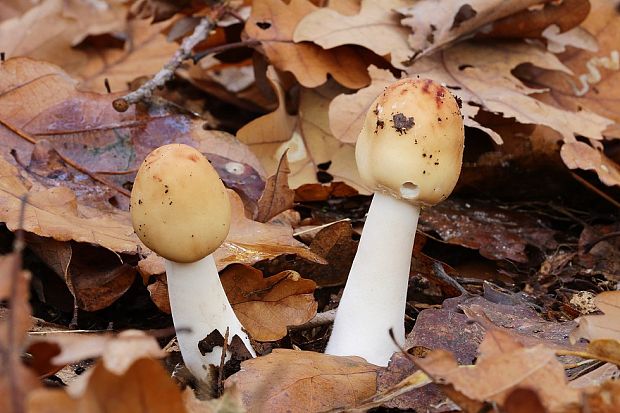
column 411, row 145
column 179, row 206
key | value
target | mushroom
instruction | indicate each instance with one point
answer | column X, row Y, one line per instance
column 180, row 210
column 409, row 153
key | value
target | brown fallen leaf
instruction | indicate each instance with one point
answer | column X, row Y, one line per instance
column 606, row 326
column 434, row 28
column 144, row 387
column 301, row 381
column 93, row 287
column 580, row 155
column 273, row 22
column 277, row 196
column 267, row 306
column 497, row 233
column 376, row 27
column 50, row 30
column 146, row 50
column 276, row 126
column 503, row 366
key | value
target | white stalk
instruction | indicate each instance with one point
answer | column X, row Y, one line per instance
column 199, row 306
column 374, row 298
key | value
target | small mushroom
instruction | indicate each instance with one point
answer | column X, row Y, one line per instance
column 180, row 210
column 409, row 153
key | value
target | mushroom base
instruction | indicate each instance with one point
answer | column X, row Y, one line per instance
column 374, row 298
column 199, row 306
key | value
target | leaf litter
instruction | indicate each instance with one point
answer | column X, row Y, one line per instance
column 511, row 299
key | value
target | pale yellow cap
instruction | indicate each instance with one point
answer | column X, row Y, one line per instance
column 411, row 145
column 179, row 206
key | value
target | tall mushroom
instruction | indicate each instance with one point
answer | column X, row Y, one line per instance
column 409, row 153
column 180, row 209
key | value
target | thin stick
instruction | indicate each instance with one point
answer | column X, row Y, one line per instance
column 13, row 356
column 144, row 92
column 320, row 227
column 596, row 190
column 443, row 276
column 66, row 160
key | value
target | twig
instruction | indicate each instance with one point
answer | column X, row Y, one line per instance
column 443, row 276
column 144, row 92
column 66, row 160
column 13, row 356
column 320, row 319
column 320, row 227
column 595, row 190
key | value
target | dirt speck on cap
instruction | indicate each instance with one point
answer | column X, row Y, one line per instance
column 402, row 123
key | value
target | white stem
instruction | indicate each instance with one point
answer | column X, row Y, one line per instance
column 374, row 297
column 199, row 306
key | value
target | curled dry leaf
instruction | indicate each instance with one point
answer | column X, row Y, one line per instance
column 606, row 326
column 277, row 196
column 144, row 387
column 504, row 365
column 497, row 233
column 266, row 306
column 51, row 29
column 273, row 22
column 376, row 27
column 301, row 381
column 435, row 27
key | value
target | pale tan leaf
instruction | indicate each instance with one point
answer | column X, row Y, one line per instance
column 436, row 25
column 144, row 387
column 580, row 155
column 50, row 30
column 347, row 112
column 277, row 196
column 481, row 76
column 266, row 306
column 144, row 54
column 273, row 22
column 606, row 326
column 302, row 381
column 377, row 27
column 504, row 365
column 276, row 126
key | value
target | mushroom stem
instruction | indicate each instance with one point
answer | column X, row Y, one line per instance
column 199, row 306
column 374, row 297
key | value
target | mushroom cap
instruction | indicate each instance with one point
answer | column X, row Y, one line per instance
column 411, row 144
column 179, row 206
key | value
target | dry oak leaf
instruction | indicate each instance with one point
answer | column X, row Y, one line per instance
column 376, row 27
column 145, row 52
column 144, row 387
column 51, row 30
column 56, row 213
column 580, row 155
column 276, row 126
column 597, row 327
column 302, row 381
column 306, row 139
column 436, row 25
column 504, row 365
column 595, row 84
column 481, row 76
column 277, row 196
column 267, row 305
column 273, row 23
